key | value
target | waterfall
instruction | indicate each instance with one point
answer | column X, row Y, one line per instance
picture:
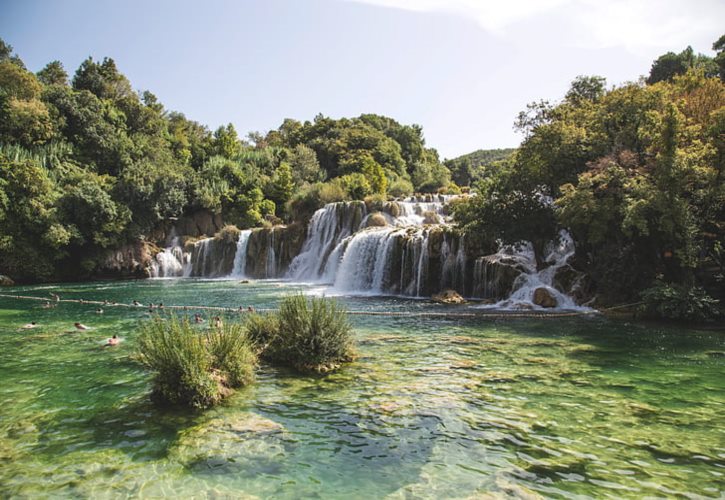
column 172, row 261
column 240, row 257
column 328, row 227
column 525, row 285
column 270, row 268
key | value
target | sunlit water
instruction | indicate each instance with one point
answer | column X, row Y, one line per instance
column 582, row 407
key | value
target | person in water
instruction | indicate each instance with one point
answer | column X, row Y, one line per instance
column 136, row 303
column 81, row 326
column 218, row 322
column 30, row 325
column 99, row 311
column 113, row 341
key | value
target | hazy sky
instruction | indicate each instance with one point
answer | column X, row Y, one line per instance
column 462, row 69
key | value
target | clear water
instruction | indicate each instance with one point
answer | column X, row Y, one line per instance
column 574, row 408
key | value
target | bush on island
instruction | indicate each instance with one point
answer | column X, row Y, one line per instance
column 308, row 335
column 194, row 368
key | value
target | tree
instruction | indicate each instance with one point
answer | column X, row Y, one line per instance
column 719, row 48
column 103, row 80
column 586, row 88
column 53, row 74
column 304, row 164
column 226, row 142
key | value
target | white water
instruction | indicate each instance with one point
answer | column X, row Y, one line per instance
column 240, row 257
column 172, row 261
column 328, row 228
column 557, row 255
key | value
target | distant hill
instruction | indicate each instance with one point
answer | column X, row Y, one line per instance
column 471, row 167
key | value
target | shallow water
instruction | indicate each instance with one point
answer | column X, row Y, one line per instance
column 576, row 408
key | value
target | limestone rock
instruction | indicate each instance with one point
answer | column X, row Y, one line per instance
column 448, row 297
column 130, row 260
column 543, row 298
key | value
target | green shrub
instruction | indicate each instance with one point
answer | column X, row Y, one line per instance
column 228, row 234
column 400, row 188
column 679, row 302
column 260, row 329
column 194, row 368
column 311, row 336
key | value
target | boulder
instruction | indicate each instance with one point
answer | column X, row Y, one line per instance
column 544, row 298
column 6, row 280
column 448, row 297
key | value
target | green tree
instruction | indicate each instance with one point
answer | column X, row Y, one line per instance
column 53, row 74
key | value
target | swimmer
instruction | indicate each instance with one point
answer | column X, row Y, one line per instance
column 113, row 341
column 30, row 325
column 161, row 305
column 47, row 305
column 218, row 322
column 198, row 318
column 99, row 311
column 55, row 296
column 250, row 309
column 81, row 326
column 136, row 303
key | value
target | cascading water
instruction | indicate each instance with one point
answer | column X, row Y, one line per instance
column 328, row 227
column 404, row 247
column 240, row 257
column 172, row 261
column 532, row 279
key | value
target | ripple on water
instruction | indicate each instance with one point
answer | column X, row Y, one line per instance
column 431, row 408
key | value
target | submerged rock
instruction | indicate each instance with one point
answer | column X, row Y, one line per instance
column 544, row 298
column 448, row 297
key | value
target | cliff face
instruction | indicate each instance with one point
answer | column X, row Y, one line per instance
column 271, row 250
column 129, row 261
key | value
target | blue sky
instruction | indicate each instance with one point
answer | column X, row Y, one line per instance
column 462, row 69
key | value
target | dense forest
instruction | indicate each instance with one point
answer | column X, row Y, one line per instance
column 87, row 164
column 634, row 172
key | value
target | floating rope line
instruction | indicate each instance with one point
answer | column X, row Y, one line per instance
column 424, row 314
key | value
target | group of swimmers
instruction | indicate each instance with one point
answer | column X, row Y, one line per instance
column 115, row 340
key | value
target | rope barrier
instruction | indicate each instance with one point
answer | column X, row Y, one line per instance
column 425, row 314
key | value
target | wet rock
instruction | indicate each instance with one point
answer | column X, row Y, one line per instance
column 448, row 297
column 495, row 275
column 574, row 283
column 6, row 280
column 543, row 298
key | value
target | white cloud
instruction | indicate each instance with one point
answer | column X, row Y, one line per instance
column 633, row 24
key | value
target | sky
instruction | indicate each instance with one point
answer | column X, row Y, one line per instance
column 462, row 69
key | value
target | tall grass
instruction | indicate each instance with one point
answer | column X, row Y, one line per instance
column 309, row 335
column 195, row 368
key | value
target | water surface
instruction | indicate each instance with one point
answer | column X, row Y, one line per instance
column 576, row 407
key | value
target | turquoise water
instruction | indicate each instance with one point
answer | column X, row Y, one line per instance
column 432, row 408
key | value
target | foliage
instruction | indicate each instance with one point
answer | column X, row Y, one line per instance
column 634, row 172
column 116, row 166
column 679, row 302
column 309, row 335
column 194, row 368
column 467, row 169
